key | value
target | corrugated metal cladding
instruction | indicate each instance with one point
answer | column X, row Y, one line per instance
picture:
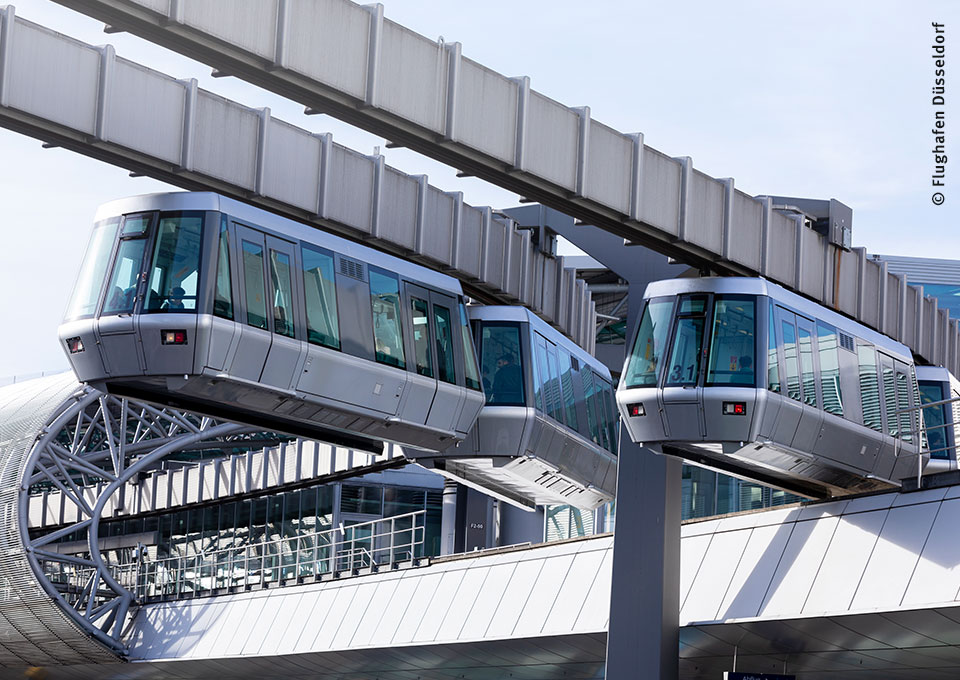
column 87, row 99
column 36, row 631
column 347, row 60
column 923, row 269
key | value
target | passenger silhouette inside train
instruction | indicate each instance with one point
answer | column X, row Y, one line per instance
column 174, row 300
column 508, row 381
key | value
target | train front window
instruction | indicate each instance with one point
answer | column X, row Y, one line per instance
column 122, row 289
column 501, row 364
column 732, row 344
column 644, row 363
column 385, row 300
column 94, row 269
column 176, row 264
column 685, row 354
column 934, row 420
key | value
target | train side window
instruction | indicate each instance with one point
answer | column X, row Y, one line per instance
column 903, row 403
column 773, row 368
column 890, row 399
column 869, row 388
column 223, row 293
column 643, row 369
column 176, row 264
column 732, row 346
column 445, row 359
column 86, row 292
column 614, row 417
column 589, row 388
column 255, row 295
column 829, row 369
column 421, row 336
column 323, row 327
column 501, row 364
column 807, row 367
column 538, row 359
column 385, row 300
column 566, row 384
column 790, row 360
column 553, row 384
column 472, row 373
column 282, row 293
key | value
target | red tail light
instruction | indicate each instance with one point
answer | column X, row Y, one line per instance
column 74, row 345
column 734, row 408
column 176, row 337
column 636, row 410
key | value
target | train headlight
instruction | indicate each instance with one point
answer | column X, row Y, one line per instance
column 734, row 408
column 635, row 410
column 176, row 337
column 74, row 345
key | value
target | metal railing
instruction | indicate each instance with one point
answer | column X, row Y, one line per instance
column 289, row 560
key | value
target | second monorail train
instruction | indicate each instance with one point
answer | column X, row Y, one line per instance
column 743, row 376
column 209, row 304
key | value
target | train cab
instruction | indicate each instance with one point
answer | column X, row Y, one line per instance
column 206, row 303
column 940, row 396
column 743, row 376
column 547, row 433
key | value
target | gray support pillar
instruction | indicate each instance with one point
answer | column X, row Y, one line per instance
column 448, row 518
column 643, row 638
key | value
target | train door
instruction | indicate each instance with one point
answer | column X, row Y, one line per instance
column 116, row 324
column 682, row 395
column 422, row 378
column 791, row 407
column 811, row 419
column 286, row 351
column 451, row 392
column 254, row 343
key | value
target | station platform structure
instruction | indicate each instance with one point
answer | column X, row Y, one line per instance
column 865, row 585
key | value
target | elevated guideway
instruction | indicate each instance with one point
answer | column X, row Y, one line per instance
column 347, row 60
column 87, row 99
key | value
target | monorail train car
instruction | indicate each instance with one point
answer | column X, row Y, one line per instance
column 203, row 302
column 940, row 394
column 743, row 376
column 548, row 431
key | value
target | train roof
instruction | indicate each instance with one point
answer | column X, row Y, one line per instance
column 522, row 314
column 210, row 201
column 759, row 286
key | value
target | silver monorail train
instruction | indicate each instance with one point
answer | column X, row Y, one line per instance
column 743, row 376
column 206, row 303
column 548, row 431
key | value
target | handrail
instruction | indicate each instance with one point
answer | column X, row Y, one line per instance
column 372, row 544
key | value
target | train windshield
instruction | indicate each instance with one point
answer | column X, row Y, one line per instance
column 644, row 363
column 93, row 270
column 732, row 358
column 501, row 364
column 722, row 333
column 175, row 270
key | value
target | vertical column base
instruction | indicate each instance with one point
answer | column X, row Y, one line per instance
column 643, row 639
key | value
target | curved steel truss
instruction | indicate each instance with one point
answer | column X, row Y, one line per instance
column 87, row 446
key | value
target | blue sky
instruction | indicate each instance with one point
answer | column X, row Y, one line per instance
column 818, row 99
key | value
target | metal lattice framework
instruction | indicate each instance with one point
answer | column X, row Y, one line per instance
column 88, row 446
